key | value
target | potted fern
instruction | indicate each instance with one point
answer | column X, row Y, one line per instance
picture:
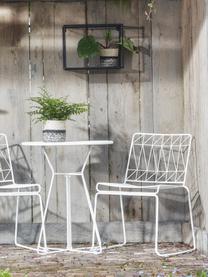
column 54, row 112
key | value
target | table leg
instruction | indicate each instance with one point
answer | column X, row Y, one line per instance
column 68, row 213
column 69, row 247
column 46, row 249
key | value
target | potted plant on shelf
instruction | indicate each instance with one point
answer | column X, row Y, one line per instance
column 54, row 112
column 108, row 51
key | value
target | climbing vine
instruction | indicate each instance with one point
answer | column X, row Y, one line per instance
column 150, row 9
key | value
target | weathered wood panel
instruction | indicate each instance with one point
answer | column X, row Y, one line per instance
column 98, row 117
column 124, row 115
column 195, row 59
column 121, row 103
column 14, row 64
column 39, row 21
column 168, row 87
column 74, row 86
column 60, row 83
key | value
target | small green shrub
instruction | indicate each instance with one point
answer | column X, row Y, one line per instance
column 50, row 108
column 202, row 273
column 5, row 273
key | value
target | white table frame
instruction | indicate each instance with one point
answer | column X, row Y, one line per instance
column 93, row 249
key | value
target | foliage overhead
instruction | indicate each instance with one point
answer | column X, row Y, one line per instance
column 47, row 107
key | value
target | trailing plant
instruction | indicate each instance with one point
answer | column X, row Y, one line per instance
column 47, row 107
column 89, row 47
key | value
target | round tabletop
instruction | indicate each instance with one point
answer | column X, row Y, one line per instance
column 68, row 143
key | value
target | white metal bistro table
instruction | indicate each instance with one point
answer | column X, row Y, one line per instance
column 68, row 175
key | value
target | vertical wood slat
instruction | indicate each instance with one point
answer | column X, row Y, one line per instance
column 75, row 87
column 98, row 118
column 124, row 115
column 146, row 100
column 194, row 46
column 14, row 91
column 40, row 17
column 168, row 87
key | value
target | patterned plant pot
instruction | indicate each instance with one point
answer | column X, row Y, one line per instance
column 54, row 131
column 109, row 57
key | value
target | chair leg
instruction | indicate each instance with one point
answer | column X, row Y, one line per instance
column 95, row 214
column 16, row 221
column 157, row 230
column 42, row 230
column 93, row 217
column 16, row 227
column 191, row 218
column 123, row 220
column 123, row 223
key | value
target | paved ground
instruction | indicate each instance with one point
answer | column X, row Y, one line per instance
column 132, row 260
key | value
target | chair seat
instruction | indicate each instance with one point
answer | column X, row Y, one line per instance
column 129, row 189
column 20, row 189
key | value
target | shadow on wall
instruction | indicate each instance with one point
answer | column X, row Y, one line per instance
column 22, row 175
column 193, row 184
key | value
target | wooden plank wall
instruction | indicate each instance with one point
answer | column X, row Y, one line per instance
column 195, row 60
column 121, row 103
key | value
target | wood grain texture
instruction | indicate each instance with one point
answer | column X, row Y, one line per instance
column 121, row 103
column 14, row 90
column 39, row 20
column 168, row 99
column 195, row 43
column 124, row 115
column 98, row 117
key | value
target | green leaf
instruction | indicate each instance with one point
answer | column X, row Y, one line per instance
column 88, row 47
column 108, row 38
column 129, row 45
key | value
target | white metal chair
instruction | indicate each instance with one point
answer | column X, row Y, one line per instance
column 155, row 162
column 8, row 187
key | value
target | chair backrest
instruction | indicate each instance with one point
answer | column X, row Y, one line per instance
column 6, row 170
column 158, row 158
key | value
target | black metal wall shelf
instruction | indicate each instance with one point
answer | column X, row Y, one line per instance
column 71, row 36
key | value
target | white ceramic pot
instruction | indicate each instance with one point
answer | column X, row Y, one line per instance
column 54, row 131
column 109, row 52
column 109, row 57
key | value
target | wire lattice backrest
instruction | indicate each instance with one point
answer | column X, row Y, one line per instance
column 6, row 171
column 158, row 158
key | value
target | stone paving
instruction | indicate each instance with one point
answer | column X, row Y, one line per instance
column 132, row 260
